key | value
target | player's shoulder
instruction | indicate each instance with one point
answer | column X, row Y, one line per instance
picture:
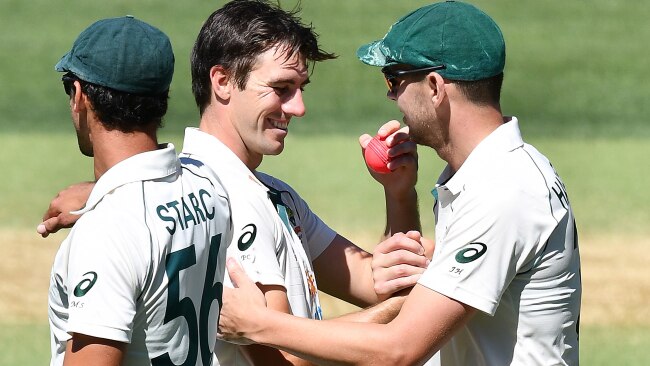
column 127, row 209
column 124, row 203
column 111, row 222
column 196, row 175
column 275, row 183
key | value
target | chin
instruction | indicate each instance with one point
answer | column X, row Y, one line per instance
column 274, row 149
column 277, row 151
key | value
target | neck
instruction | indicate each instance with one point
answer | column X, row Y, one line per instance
column 221, row 127
column 112, row 147
column 468, row 126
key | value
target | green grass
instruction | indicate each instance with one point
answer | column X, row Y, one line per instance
column 573, row 70
column 574, row 76
column 28, row 345
column 600, row 346
column 24, row 344
column 606, row 185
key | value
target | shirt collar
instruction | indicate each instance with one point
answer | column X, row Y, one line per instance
column 217, row 154
column 149, row 165
column 505, row 138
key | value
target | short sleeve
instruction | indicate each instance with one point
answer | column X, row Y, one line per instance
column 255, row 241
column 316, row 235
column 487, row 239
column 105, row 274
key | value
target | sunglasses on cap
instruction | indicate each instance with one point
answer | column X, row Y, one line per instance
column 391, row 76
column 68, row 80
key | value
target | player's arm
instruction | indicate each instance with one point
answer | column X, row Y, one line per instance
column 393, row 267
column 58, row 214
column 427, row 320
column 82, row 350
column 380, row 313
column 402, row 213
column 276, row 298
column 347, row 272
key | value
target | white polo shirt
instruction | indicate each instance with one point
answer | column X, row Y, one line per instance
column 145, row 263
column 506, row 244
column 276, row 235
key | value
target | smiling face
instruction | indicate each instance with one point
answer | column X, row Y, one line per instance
column 260, row 113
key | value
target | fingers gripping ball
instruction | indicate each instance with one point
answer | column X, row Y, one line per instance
column 376, row 155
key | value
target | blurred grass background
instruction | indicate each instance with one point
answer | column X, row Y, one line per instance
column 576, row 76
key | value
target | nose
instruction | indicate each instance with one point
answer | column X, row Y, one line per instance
column 295, row 106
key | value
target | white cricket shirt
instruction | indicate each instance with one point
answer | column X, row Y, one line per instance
column 145, row 263
column 506, row 244
column 276, row 235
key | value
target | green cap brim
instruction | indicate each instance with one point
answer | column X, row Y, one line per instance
column 62, row 65
column 371, row 54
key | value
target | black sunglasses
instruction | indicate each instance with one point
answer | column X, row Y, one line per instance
column 391, row 76
column 68, row 82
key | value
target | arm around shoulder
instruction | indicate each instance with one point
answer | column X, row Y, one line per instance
column 58, row 215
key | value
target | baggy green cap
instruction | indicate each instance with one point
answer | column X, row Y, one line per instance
column 454, row 34
column 124, row 54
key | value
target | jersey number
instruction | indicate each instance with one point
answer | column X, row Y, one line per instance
column 198, row 330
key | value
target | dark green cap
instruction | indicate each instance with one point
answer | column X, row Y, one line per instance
column 124, row 54
column 454, row 34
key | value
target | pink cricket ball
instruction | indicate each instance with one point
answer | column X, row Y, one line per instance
column 376, row 155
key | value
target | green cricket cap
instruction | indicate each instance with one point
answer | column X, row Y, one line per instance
column 125, row 54
column 455, row 34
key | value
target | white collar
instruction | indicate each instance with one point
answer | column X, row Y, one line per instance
column 505, row 138
column 209, row 147
column 149, row 165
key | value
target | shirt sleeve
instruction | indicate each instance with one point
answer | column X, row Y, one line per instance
column 315, row 234
column 255, row 241
column 105, row 272
column 488, row 238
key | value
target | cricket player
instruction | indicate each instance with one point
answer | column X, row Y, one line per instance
column 249, row 71
column 503, row 286
column 250, row 67
column 138, row 280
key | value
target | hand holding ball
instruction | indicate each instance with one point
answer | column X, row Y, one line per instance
column 376, row 155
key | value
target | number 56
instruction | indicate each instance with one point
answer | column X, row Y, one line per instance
column 198, row 331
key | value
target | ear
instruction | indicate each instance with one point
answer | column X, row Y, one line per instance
column 437, row 85
column 220, row 81
column 78, row 99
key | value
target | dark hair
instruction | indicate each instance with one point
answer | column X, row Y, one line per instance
column 241, row 30
column 482, row 92
column 124, row 111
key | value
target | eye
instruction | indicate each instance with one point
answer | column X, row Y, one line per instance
column 281, row 90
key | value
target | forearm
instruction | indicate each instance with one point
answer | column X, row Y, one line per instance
column 329, row 342
column 276, row 299
column 245, row 319
column 381, row 313
column 402, row 212
column 258, row 354
column 344, row 271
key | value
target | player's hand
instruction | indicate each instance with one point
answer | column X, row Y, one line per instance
column 241, row 308
column 398, row 262
column 403, row 159
column 58, row 214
